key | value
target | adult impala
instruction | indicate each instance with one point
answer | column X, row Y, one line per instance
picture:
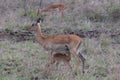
column 50, row 8
column 60, row 44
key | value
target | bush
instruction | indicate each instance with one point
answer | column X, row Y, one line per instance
column 32, row 14
column 94, row 15
column 114, row 12
column 97, row 17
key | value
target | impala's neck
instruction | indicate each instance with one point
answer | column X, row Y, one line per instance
column 39, row 35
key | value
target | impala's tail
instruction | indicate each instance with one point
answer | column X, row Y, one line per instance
column 83, row 61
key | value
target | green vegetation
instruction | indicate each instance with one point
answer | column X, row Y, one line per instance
column 32, row 14
column 114, row 12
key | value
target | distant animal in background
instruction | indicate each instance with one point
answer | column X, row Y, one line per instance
column 60, row 7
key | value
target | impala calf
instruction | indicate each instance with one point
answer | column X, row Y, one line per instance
column 58, row 57
column 60, row 44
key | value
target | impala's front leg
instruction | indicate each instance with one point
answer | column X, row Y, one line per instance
column 50, row 61
column 74, row 53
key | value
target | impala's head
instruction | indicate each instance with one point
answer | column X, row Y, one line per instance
column 36, row 25
column 39, row 20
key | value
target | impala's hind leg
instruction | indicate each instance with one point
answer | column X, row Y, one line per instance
column 61, row 11
column 83, row 62
column 77, row 59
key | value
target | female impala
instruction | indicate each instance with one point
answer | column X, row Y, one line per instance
column 60, row 44
column 60, row 7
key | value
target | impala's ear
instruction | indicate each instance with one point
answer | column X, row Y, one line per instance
column 39, row 20
column 34, row 25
